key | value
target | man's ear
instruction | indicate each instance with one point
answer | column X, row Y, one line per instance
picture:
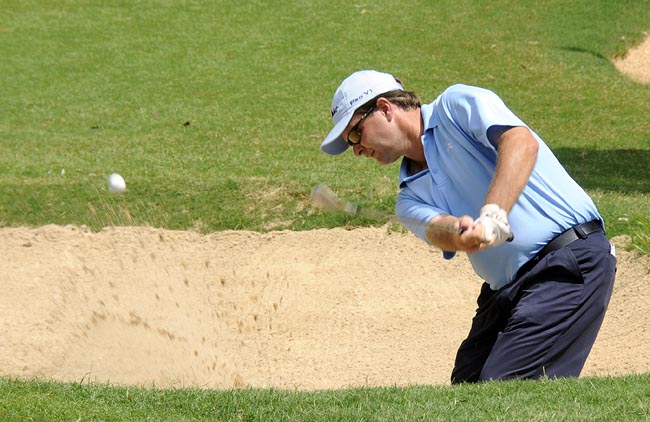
column 385, row 107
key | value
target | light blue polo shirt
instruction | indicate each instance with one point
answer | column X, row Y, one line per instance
column 461, row 162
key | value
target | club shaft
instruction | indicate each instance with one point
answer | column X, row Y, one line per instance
column 323, row 197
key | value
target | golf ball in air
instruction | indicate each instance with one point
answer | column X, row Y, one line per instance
column 116, row 183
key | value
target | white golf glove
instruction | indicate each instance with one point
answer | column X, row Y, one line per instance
column 494, row 220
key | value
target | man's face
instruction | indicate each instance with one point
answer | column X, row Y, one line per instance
column 376, row 135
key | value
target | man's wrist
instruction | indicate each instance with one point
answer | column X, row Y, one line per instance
column 494, row 211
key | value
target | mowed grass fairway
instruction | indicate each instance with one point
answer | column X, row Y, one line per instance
column 213, row 112
column 589, row 399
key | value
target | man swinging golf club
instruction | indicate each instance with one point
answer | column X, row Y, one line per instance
column 468, row 161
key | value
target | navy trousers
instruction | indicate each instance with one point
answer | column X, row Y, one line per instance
column 545, row 322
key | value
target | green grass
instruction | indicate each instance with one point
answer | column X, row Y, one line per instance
column 589, row 399
column 213, row 112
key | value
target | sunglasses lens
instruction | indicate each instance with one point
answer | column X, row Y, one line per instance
column 353, row 137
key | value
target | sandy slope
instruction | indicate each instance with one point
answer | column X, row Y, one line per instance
column 636, row 63
column 308, row 310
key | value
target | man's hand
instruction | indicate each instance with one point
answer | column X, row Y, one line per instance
column 469, row 235
column 496, row 229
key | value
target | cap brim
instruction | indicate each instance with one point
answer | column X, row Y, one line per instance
column 334, row 144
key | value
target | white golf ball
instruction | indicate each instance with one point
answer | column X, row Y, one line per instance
column 116, row 183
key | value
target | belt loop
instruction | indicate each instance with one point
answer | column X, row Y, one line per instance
column 580, row 231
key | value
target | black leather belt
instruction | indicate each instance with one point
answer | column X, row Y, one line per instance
column 581, row 231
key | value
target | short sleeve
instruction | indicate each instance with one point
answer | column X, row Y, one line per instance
column 474, row 110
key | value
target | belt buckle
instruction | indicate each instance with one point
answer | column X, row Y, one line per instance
column 580, row 231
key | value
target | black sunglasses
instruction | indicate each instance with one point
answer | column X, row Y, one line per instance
column 354, row 135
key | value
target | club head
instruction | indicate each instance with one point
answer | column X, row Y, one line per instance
column 323, row 197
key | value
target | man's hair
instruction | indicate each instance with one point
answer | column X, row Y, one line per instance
column 404, row 99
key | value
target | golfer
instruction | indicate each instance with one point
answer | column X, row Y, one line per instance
column 468, row 161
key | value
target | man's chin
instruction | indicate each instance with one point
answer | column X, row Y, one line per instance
column 383, row 161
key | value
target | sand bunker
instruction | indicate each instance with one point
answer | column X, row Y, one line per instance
column 636, row 63
column 320, row 309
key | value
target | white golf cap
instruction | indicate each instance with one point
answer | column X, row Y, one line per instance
column 356, row 90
